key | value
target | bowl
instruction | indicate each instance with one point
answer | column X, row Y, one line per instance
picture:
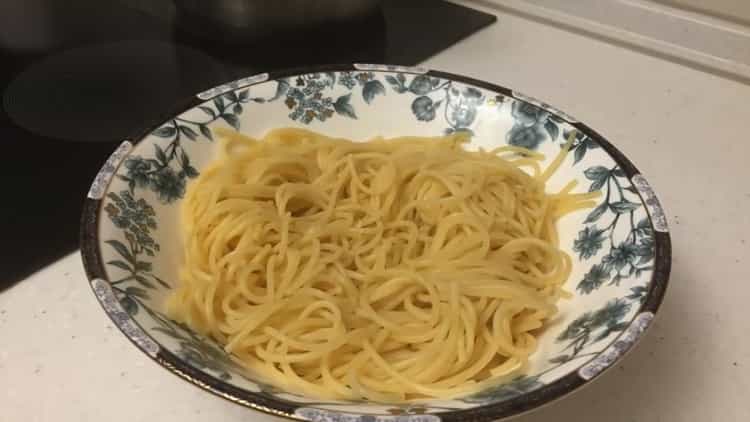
column 131, row 243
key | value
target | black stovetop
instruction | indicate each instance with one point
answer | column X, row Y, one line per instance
column 79, row 76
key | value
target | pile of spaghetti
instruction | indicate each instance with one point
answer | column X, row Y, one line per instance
column 387, row 270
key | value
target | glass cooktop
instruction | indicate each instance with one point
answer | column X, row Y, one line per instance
column 76, row 74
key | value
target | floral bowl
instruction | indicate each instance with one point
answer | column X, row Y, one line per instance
column 621, row 248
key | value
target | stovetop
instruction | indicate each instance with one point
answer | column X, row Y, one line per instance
column 73, row 71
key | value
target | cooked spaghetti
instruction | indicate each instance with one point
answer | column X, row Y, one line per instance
column 387, row 270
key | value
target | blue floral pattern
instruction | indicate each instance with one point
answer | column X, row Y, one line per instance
column 589, row 242
column 167, row 172
column 532, row 125
column 308, row 96
column 136, row 219
column 460, row 105
column 624, row 258
column 584, row 331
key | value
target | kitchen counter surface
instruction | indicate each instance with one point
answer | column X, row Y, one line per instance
column 61, row 359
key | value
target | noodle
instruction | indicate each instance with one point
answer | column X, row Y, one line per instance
column 387, row 270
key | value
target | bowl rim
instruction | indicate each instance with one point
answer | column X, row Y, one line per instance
column 95, row 272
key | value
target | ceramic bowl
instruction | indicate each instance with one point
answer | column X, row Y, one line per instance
column 621, row 248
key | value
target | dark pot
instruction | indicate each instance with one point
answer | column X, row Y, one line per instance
column 240, row 21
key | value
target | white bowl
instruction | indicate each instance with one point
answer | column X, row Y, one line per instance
column 621, row 249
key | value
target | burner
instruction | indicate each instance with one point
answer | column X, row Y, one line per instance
column 105, row 92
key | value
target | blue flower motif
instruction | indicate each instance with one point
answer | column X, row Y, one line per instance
column 114, row 214
column 295, row 114
column 593, row 279
column 464, row 115
column 134, row 217
column 621, row 255
column 347, row 79
column 168, row 185
column 528, row 137
column 129, row 212
column 420, row 85
column 318, row 106
column 307, row 103
column 611, row 314
column 137, row 170
column 307, row 109
column 589, row 242
column 364, row 77
column 307, row 117
column 309, row 90
column 424, row 108
column 472, row 96
column 296, row 94
column 528, row 114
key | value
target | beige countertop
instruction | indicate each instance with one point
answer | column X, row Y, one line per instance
column 61, row 359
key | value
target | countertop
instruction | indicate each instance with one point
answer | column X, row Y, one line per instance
column 61, row 359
